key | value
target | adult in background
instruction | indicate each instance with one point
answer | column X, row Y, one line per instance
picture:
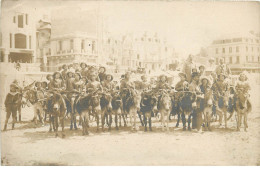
column 64, row 71
column 102, row 73
column 223, row 68
column 84, row 69
column 194, row 87
column 187, row 68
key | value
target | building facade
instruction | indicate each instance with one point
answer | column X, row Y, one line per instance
column 43, row 36
column 18, row 36
column 240, row 52
column 71, row 42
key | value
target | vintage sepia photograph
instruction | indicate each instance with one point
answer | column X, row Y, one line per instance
column 130, row 83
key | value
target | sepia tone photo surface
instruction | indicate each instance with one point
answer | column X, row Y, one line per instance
column 130, row 83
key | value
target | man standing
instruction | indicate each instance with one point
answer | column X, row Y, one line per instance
column 222, row 68
column 187, row 68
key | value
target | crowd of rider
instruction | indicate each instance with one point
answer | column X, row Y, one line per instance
column 87, row 79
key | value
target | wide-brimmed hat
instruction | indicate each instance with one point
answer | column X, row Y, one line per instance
column 201, row 66
column 78, row 73
column 122, row 77
column 13, row 85
column 160, row 77
column 54, row 74
column 143, row 76
column 81, row 64
column 37, row 83
column 242, row 74
column 182, row 74
column 103, row 68
column 194, row 74
column 49, row 75
column 204, row 77
column 111, row 77
column 70, row 72
column 222, row 74
column 63, row 66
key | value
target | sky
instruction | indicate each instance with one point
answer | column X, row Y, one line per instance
column 187, row 25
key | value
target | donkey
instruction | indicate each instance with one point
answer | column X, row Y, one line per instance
column 58, row 109
column 131, row 104
column 106, row 109
column 206, row 104
column 164, row 107
column 117, row 109
column 186, row 107
column 243, row 107
column 148, row 106
column 82, row 105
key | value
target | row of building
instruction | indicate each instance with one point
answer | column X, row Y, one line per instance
column 76, row 35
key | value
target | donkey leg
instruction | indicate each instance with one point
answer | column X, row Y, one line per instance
column 183, row 121
column 150, row 123
column 97, row 118
column 110, row 121
column 56, row 126
column 75, row 121
column 245, row 125
column 140, row 117
column 86, row 124
column 189, row 121
column 168, row 122
column 178, row 120
column 103, row 117
column 145, row 122
column 62, row 127
column 225, row 118
column 116, row 120
column 163, row 120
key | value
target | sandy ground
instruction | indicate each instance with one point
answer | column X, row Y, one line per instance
column 34, row 145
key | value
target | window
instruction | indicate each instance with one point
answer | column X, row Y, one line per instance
column 30, row 42
column 20, row 21
column 71, row 44
column 20, row 41
column 14, row 19
column 216, row 50
column 82, row 44
column 224, row 59
column 11, row 41
column 230, row 49
column 247, row 49
column 60, row 45
column 223, row 50
column 238, row 59
column 93, row 46
column 253, row 59
column 26, row 19
column 258, row 58
column 252, row 49
column 237, row 49
column 138, row 56
column 230, row 59
column 217, row 61
column 246, row 40
column 247, row 58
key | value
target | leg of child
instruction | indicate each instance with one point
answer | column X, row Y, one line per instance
column 8, row 114
column 14, row 116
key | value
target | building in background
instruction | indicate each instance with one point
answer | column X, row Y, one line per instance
column 74, row 37
column 18, row 38
column 43, row 36
column 241, row 52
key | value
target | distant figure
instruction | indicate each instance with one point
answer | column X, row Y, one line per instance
column 223, row 68
column 187, row 68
